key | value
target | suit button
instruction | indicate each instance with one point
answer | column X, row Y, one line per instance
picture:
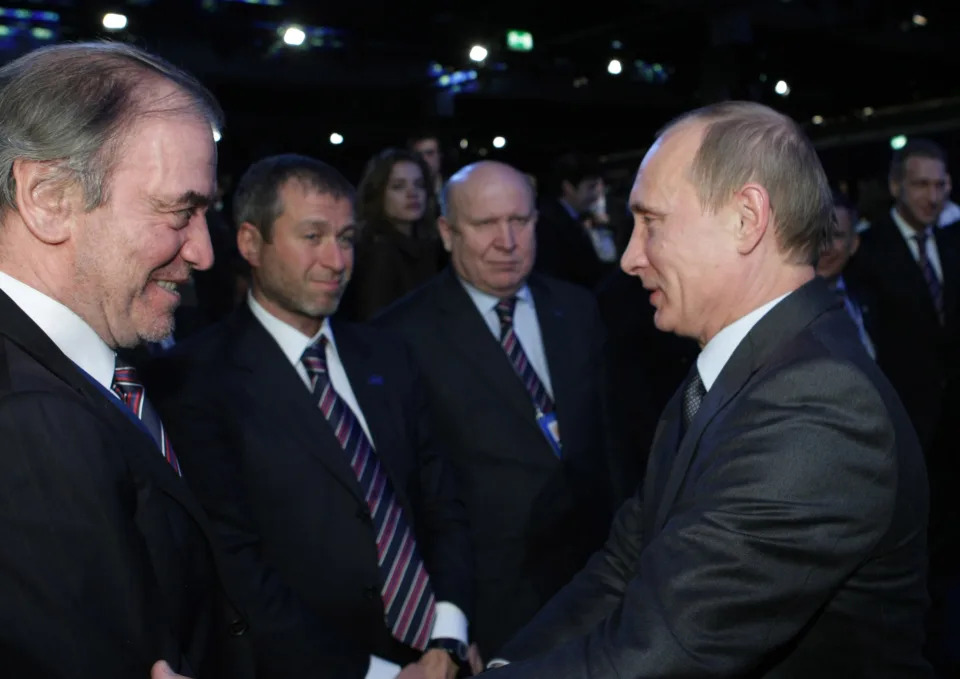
column 370, row 592
column 238, row 628
column 363, row 513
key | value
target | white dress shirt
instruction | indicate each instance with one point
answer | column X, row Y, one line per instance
column 72, row 335
column 525, row 326
column 719, row 349
column 450, row 621
column 910, row 235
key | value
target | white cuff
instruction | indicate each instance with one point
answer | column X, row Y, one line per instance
column 381, row 669
column 450, row 623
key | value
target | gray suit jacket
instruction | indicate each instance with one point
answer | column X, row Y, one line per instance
column 783, row 535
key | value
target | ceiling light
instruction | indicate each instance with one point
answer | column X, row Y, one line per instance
column 919, row 20
column 294, row 36
column 499, row 142
column 114, row 22
column 478, row 53
column 818, row 120
column 898, row 142
column 782, row 88
column 614, row 67
column 336, row 139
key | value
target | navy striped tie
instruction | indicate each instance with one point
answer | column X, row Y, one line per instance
column 408, row 598
column 929, row 275
column 131, row 391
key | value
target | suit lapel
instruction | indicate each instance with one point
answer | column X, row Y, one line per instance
column 368, row 382
column 142, row 454
column 904, row 268
column 779, row 325
column 468, row 334
column 949, row 256
column 273, row 384
column 662, row 451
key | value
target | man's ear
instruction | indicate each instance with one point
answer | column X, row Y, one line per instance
column 446, row 232
column 250, row 243
column 752, row 203
column 47, row 202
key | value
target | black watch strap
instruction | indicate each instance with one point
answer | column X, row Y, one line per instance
column 456, row 648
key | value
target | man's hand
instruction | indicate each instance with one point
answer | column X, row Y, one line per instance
column 438, row 664
column 476, row 662
column 161, row 670
column 413, row 671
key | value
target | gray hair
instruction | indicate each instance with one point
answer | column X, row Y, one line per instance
column 748, row 142
column 257, row 198
column 72, row 105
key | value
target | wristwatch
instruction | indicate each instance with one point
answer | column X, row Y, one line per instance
column 455, row 648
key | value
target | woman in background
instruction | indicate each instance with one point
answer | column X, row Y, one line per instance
column 398, row 247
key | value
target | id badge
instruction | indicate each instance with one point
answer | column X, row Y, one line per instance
column 551, row 429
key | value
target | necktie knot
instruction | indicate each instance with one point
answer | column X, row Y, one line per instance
column 504, row 309
column 314, row 359
column 127, row 385
column 125, row 378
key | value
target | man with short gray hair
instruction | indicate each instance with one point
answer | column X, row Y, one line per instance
column 107, row 163
column 780, row 529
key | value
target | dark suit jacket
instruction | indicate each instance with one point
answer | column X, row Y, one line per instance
column 534, row 518
column 781, row 536
column 921, row 358
column 298, row 534
column 564, row 249
column 107, row 562
column 918, row 354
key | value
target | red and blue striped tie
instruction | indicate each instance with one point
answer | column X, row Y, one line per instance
column 518, row 358
column 131, row 391
column 408, row 599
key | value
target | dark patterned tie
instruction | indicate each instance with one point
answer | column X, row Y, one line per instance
column 408, row 598
column 929, row 275
column 693, row 393
column 131, row 391
column 518, row 359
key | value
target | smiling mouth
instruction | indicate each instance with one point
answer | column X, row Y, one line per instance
column 169, row 286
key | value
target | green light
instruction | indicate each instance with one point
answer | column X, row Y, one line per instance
column 520, row 41
column 5, row 31
column 42, row 33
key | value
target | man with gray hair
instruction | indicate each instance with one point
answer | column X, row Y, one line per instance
column 107, row 163
column 780, row 530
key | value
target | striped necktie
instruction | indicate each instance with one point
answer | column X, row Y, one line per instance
column 408, row 599
column 131, row 391
column 518, row 358
column 693, row 393
column 929, row 275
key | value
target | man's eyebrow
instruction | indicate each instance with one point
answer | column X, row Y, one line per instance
column 188, row 199
column 638, row 208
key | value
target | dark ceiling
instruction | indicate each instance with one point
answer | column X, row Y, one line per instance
column 375, row 68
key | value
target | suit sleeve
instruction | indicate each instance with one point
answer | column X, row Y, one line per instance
column 291, row 640
column 77, row 594
column 441, row 514
column 790, row 496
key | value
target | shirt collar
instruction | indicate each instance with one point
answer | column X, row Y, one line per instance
column 907, row 231
column 72, row 335
column 486, row 302
column 719, row 349
column 292, row 342
column 570, row 211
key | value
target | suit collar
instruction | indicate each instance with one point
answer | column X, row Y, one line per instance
column 782, row 323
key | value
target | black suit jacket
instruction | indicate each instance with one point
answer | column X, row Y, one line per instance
column 918, row 354
column 107, row 562
column 781, row 536
column 298, row 534
column 564, row 248
column 534, row 518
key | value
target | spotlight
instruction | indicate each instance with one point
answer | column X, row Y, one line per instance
column 478, row 53
column 114, row 22
column 898, row 142
column 499, row 142
column 294, row 36
column 818, row 120
column 464, row 143
column 336, row 139
column 614, row 67
column 782, row 88
column 919, row 20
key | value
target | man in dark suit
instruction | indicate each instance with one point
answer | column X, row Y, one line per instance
column 910, row 268
column 107, row 563
column 572, row 244
column 780, row 528
column 512, row 364
column 307, row 442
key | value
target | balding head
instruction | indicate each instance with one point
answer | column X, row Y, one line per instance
column 470, row 177
column 488, row 224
